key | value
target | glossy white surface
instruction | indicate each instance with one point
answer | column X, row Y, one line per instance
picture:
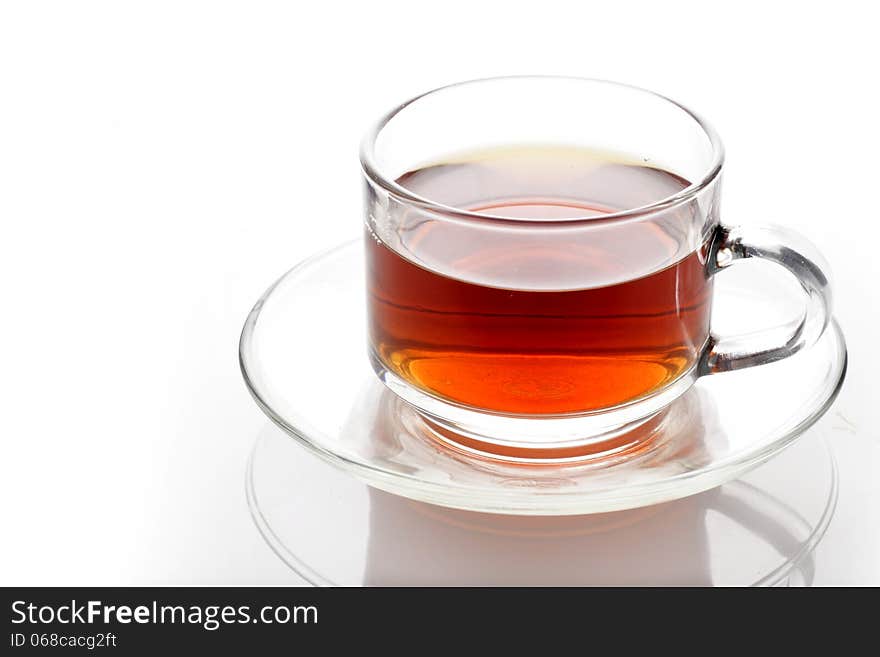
column 162, row 163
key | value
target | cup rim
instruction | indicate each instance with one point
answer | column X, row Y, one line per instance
column 375, row 177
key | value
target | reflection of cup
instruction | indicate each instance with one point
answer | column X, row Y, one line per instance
column 528, row 331
column 413, row 544
column 333, row 529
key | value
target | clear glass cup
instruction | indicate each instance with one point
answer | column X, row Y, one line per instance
column 635, row 282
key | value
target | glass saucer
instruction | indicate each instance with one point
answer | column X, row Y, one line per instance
column 303, row 356
column 333, row 530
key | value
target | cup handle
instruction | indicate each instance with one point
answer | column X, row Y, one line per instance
column 797, row 255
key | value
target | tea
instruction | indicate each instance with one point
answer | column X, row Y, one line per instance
column 561, row 322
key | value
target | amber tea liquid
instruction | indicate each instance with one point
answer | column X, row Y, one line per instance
column 551, row 323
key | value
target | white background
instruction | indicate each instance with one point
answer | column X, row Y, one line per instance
column 162, row 162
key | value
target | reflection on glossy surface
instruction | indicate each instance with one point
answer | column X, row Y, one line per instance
column 334, row 530
column 413, row 543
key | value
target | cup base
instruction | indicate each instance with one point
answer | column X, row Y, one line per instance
column 626, row 442
column 617, row 433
